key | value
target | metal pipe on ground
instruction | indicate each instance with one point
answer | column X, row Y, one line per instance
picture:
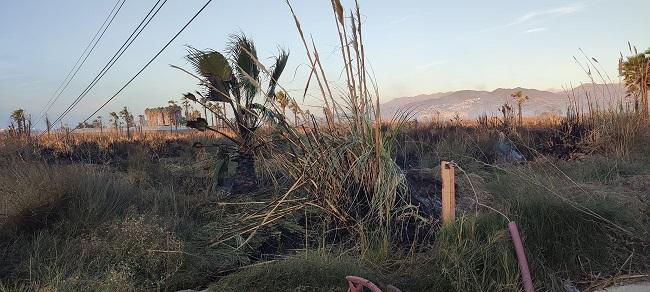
column 521, row 257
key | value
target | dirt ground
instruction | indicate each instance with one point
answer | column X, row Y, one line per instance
column 636, row 287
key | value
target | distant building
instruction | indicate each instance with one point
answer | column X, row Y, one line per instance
column 163, row 116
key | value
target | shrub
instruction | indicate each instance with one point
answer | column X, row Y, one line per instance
column 137, row 248
column 84, row 227
column 36, row 196
column 616, row 132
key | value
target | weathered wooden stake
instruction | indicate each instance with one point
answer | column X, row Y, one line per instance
column 448, row 192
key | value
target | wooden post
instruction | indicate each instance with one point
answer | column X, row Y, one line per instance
column 448, row 192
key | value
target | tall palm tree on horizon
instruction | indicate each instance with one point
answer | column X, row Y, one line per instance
column 22, row 125
column 114, row 120
column 520, row 99
column 128, row 120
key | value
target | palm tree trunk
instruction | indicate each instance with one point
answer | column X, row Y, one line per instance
column 245, row 179
column 520, row 120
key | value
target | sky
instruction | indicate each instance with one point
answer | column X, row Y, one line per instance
column 412, row 46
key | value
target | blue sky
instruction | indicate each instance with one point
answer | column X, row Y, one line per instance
column 414, row 47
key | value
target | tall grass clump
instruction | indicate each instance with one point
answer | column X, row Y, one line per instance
column 347, row 161
column 617, row 124
column 340, row 163
column 475, row 254
column 63, row 226
column 36, row 195
column 616, row 132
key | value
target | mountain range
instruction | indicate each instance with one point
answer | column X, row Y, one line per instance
column 470, row 104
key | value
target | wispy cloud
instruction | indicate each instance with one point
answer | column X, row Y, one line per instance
column 541, row 15
column 538, row 29
column 557, row 11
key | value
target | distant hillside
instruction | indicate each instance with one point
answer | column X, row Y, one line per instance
column 473, row 103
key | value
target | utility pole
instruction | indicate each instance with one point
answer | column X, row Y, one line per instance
column 48, row 124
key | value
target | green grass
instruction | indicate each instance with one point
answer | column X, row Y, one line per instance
column 476, row 255
column 577, row 226
column 309, row 272
column 604, row 169
column 472, row 255
column 563, row 243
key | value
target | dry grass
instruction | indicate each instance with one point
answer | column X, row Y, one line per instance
column 168, row 198
column 96, row 227
column 108, row 213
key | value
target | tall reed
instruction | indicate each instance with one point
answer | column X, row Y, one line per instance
column 343, row 164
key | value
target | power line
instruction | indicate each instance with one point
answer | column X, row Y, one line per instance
column 134, row 35
column 62, row 87
column 147, row 64
column 64, row 84
column 86, row 49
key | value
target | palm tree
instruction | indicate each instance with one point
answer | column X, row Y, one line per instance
column 114, row 120
column 18, row 116
column 141, row 122
column 185, row 102
column 520, row 99
column 636, row 75
column 234, row 80
column 204, row 103
column 101, row 124
column 128, row 120
column 207, row 105
column 171, row 111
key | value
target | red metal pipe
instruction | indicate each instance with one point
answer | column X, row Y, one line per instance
column 521, row 257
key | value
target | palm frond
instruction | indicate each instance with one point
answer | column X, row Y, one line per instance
column 243, row 54
column 189, row 96
column 200, row 124
column 215, row 68
column 209, row 63
column 280, row 63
